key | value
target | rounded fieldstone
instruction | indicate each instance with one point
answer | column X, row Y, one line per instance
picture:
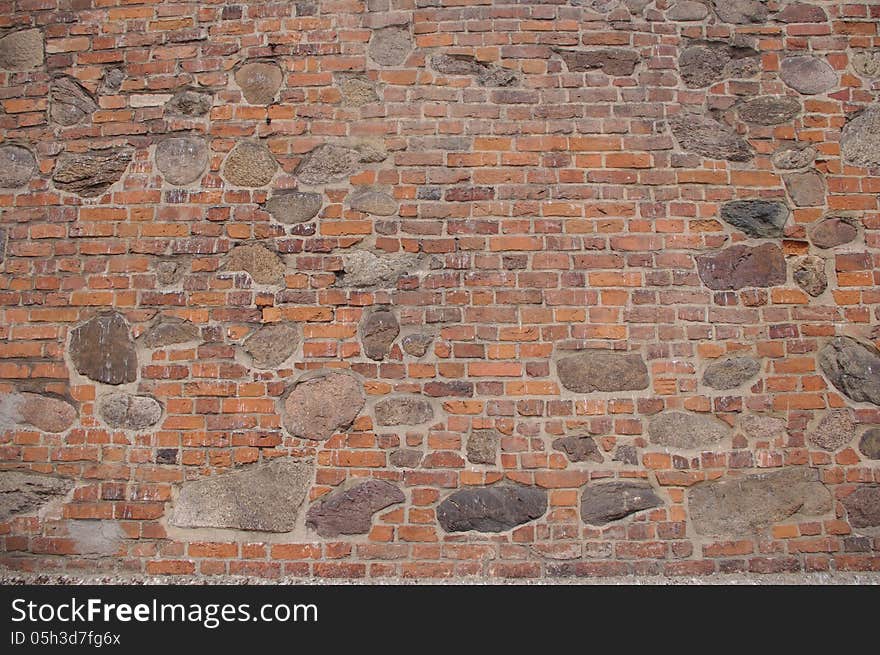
column 762, row 219
column 686, row 431
column 742, row 266
column 45, row 413
column 405, row 458
column 168, row 332
column 707, row 137
column 579, row 449
column 794, row 156
column 860, row 139
column 291, row 207
column 869, row 444
column 808, row 75
column 611, row 501
column 263, row 265
column 703, row 65
column 102, row 349
column 390, row 46
column 69, row 102
column 182, row 159
column 765, row 428
column 271, row 345
column 259, row 82
column 853, row 368
column 374, row 202
column 801, row 12
column 806, row 189
column 686, row 10
column 363, row 268
column 17, row 166
column 357, row 90
column 408, row 410
column 833, row 231
column 328, row 163
column 416, row 344
column 378, row 331
column 769, row 110
column 129, row 412
column 741, row 12
column 603, row 370
column 863, row 506
column 867, row 63
column 249, row 165
column 351, row 510
column 809, row 274
column 318, row 406
column 730, row 373
column 22, row 50
column 190, row 103
column 834, row 430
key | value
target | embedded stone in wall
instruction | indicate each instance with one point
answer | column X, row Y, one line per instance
column 742, row 266
column 417, row 344
column 22, row 50
column 263, row 497
column 456, row 64
column 761, row 219
column 26, row 491
column 603, row 370
column 378, row 331
column 686, row 10
column 834, row 430
column 263, row 265
column 769, row 110
column 357, row 90
column 405, row 458
column 748, row 505
column 170, row 331
column 627, row 454
column 271, row 345
column 741, row 12
column 102, row 349
column 860, row 139
column 259, row 82
column 731, row 372
column 43, row 412
column 112, row 81
column 809, row 274
column 362, row 268
column 351, row 511
column 808, row 75
column 853, row 368
column 69, row 102
column 806, row 189
column 611, row 501
column 869, row 443
column 832, row 231
column 130, row 412
column 182, row 159
column 17, row 166
column 707, row 137
column 169, row 271
column 801, row 12
column 863, row 506
column 579, row 449
column 406, row 410
column 794, row 156
column 867, row 63
column 90, row 174
column 765, row 428
column 390, row 46
column 491, row 509
column 377, row 203
column 612, row 61
column 190, row 103
column 686, row 431
column 494, row 76
column 317, row 407
column 96, row 537
column 482, row 447
column 702, row 65
column 331, row 163
column 249, row 165
column 291, row 207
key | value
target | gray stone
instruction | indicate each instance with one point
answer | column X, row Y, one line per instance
column 249, row 165
column 130, row 412
column 707, row 137
column 264, row 498
column 96, row 537
column 17, row 166
column 612, row 61
column 405, row 410
column 482, row 447
column 417, row 344
column 741, row 12
column 405, row 458
column 373, row 202
column 263, row 265
column 491, row 509
column 685, row 10
column 731, row 372
column 2, row 245
column 190, row 103
column 390, row 46
column 378, row 331
column 290, row 207
column 69, row 101
column 742, row 266
column 102, row 349
column 801, row 12
column 494, row 76
column 357, row 90
column 832, row 231
column 169, row 271
column 863, row 506
column 21, row 50
column 112, row 81
column 627, row 454
column 350, row 511
column 867, row 63
column 90, row 174
column 611, row 501
column 794, row 156
column 860, row 139
column 271, row 345
column 170, row 331
column 761, row 219
column 45, row 412
column 807, row 189
column 603, row 370
column 809, row 274
column 869, row 443
column 182, row 159
column 808, row 75
column 317, row 407
column 703, row 65
column 259, row 82
column 836, row 429
column 362, row 268
column 748, row 505
column 456, row 64
column 853, row 368
column 686, row 431
column 764, row 428
column 769, row 110
column 579, row 449
column 26, row 491
column 329, row 163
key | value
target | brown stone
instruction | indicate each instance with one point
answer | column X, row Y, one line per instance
column 404, row 410
column 686, row 10
column 45, row 412
column 259, row 82
column 603, row 370
column 102, row 349
column 612, row 61
column 249, row 164
column 809, row 274
column 707, row 137
column 860, row 139
column 605, row 502
column 69, row 101
column 328, row 163
column 191, row 103
column 391, row 45
column 801, row 12
column 417, row 344
column 764, row 428
column 491, row 509
column 182, row 159
column 686, row 431
column 362, row 268
column 832, row 231
column 317, row 407
column 378, row 331
column 482, row 447
column 170, row 331
column 357, row 90
column 807, row 189
column 17, row 166
column 743, row 266
column 794, row 156
column 731, row 372
column 292, row 207
column 263, row 265
column 869, row 443
column 863, row 506
column 350, row 511
column 405, row 458
column 271, row 345
column 25, row 491
column 769, row 110
column 579, row 449
column 91, row 174
column 807, row 74
column 853, row 368
column 741, row 12
column 112, row 81
column 373, row 202
column 836, row 429
column 21, row 50
column 130, row 412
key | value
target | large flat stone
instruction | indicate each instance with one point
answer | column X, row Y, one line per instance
column 170, row 331
column 26, row 491
column 762, row 219
column 263, row 265
column 90, row 174
column 291, row 207
column 853, row 368
column 731, row 372
column 860, row 139
column 707, row 137
column 603, row 370
column 129, row 411
column 742, row 266
column 491, row 509
column 102, row 349
column 70, row 102
column 271, row 345
column 769, row 110
column 403, row 410
column 22, row 50
column 686, row 431
column 863, row 506
column 318, row 406
column 605, row 502
column 362, row 268
column 17, row 166
column 807, row 74
column 612, row 61
column 44, row 412
column 351, row 510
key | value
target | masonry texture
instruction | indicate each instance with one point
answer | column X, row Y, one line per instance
column 464, row 289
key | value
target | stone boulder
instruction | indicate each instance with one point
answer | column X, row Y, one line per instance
column 249, row 164
column 809, row 274
column 334, row 163
column 491, row 509
column 790, row 157
column 761, row 219
column 378, row 330
column 615, row 62
column 729, row 373
column 22, row 50
column 806, row 189
column 741, row 12
column 350, row 511
column 403, row 410
column 70, row 102
column 764, row 428
column 182, row 159
column 869, row 443
column 579, row 449
column 867, row 63
column 102, row 349
column 853, row 368
column 362, row 268
column 603, row 370
column 687, row 10
column 416, row 345
column 808, row 75
column 170, row 331
column 686, row 431
column 271, row 345
column 190, row 103
column 863, row 506
column 801, row 12
column 705, row 63
column 263, row 265
column 376, row 203
column 316, row 407
column 26, row 491
column 769, row 110
column 356, row 90
column 482, row 447
column 391, row 45
column 832, row 232
column 17, row 166
column 742, row 266
column 836, row 429
column 605, row 502
column 259, row 81
column 860, row 139
column 45, row 413
column 96, row 537
column 129, row 412
column 90, row 174
column 291, row 207
column 707, row 137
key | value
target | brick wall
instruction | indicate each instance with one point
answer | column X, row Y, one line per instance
column 439, row 288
